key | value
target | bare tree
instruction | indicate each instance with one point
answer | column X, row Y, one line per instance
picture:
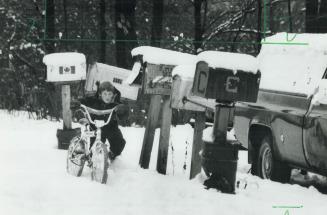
column 311, row 16
column 199, row 23
column 50, row 26
column 102, row 28
column 259, row 18
column 157, row 21
column 289, row 10
column 125, row 31
column 322, row 20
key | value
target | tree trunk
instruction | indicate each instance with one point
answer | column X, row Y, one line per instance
column 272, row 20
column 197, row 25
column 311, row 20
column 157, row 17
column 82, row 8
column 64, row 2
column 103, row 34
column 126, row 38
column 50, row 26
column 290, row 23
column 322, row 28
column 259, row 37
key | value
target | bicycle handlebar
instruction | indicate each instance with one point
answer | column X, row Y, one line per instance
column 89, row 110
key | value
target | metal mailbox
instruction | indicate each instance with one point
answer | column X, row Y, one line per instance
column 155, row 66
column 158, row 79
column 225, row 84
column 65, row 67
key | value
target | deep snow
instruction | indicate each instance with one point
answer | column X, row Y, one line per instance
column 34, row 181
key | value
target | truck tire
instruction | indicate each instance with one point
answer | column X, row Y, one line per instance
column 267, row 166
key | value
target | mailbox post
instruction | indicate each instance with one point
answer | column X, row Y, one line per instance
column 156, row 66
column 226, row 77
column 64, row 69
column 183, row 99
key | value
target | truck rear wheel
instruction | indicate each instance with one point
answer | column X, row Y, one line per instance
column 267, row 166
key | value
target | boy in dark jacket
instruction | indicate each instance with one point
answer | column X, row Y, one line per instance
column 109, row 97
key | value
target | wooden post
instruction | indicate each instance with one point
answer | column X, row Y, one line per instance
column 164, row 136
column 151, row 124
column 197, row 144
column 222, row 114
column 66, row 112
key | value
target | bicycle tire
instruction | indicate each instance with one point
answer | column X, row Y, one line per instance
column 100, row 163
column 75, row 162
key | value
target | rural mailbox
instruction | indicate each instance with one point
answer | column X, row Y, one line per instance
column 225, row 84
column 158, row 79
column 65, row 68
column 156, row 66
column 227, row 78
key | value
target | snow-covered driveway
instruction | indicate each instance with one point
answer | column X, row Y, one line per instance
column 33, row 180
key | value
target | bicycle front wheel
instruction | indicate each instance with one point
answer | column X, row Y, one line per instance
column 100, row 163
column 75, row 157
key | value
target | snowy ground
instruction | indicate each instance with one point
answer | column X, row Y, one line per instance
column 33, row 180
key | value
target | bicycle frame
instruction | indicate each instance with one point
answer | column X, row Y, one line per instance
column 87, row 134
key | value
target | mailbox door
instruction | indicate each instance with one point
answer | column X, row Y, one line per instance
column 201, row 79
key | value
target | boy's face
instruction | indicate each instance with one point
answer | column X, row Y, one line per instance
column 107, row 96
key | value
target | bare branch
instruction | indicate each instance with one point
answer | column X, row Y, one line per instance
column 37, row 8
column 26, row 62
column 230, row 22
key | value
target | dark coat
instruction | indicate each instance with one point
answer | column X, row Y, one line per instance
column 110, row 131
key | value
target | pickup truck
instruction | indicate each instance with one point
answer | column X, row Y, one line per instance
column 287, row 127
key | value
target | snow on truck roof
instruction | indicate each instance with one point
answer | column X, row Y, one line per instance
column 296, row 67
column 64, row 58
column 292, row 42
column 156, row 55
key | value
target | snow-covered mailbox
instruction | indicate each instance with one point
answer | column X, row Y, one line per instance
column 226, row 77
column 154, row 66
column 119, row 77
column 65, row 68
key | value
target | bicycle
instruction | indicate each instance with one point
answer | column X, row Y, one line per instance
column 79, row 150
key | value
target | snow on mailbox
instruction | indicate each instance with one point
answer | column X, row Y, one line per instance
column 157, row 65
column 66, row 66
column 226, row 76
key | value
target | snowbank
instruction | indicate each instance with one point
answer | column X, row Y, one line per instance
column 33, row 180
